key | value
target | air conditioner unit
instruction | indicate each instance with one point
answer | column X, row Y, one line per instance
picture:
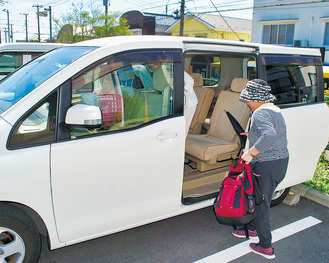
column 297, row 43
column 301, row 43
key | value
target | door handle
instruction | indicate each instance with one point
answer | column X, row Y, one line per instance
column 167, row 136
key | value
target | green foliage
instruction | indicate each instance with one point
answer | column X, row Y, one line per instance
column 79, row 25
column 320, row 180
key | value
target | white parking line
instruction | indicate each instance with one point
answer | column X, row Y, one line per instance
column 242, row 249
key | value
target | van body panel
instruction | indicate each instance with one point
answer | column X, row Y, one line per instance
column 107, row 182
column 307, row 131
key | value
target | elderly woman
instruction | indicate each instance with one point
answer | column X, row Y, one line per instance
column 268, row 155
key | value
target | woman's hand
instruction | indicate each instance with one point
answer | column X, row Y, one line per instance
column 247, row 157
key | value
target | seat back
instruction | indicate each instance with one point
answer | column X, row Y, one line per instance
column 220, row 125
column 205, row 97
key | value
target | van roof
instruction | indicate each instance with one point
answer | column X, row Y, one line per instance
column 146, row 41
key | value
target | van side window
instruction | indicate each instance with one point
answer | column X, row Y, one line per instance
column 37, row 126
column 292, row 79
column 9, row 61
column 130, row 89
column 208, row 66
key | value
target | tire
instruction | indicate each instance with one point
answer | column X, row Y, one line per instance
column 279, row 196
column 19, row 238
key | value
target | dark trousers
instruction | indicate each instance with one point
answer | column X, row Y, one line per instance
column 272, row 173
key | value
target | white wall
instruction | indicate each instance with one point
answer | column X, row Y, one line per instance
column 310, row 24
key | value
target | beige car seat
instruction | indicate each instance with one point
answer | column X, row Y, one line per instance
column 221, row 142
column 205, row 97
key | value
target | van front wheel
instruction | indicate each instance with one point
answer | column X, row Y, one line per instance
column 279, row 196
column 19, row 237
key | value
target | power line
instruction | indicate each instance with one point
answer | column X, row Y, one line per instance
column 225, row 20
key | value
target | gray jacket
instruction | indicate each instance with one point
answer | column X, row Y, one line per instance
column 268, row 135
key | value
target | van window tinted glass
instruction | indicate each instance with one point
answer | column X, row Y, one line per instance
column 38, row 126
column 9, row 61
column 293, row 79
column 27, row 78
column 208, row 66
column 130, row 89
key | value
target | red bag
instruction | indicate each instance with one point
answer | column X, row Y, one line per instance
column 235, row 204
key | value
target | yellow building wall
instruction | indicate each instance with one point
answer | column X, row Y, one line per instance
column 194, row 28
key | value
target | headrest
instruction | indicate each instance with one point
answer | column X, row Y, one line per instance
column 238, row 84
column 198, row 79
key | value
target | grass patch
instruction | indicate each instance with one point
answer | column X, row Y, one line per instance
column 320, row 180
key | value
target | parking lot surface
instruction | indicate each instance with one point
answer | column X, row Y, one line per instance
column 195, row 236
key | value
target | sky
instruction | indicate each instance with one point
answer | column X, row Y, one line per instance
column 17, row 9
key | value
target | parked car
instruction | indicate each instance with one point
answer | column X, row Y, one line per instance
column 90, row 145
column 14, row 55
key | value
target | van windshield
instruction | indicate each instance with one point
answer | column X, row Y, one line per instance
column 23, row 81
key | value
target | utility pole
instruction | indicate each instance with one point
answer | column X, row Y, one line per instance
column 6, row 10
column 38, row 13
column 106, row 3
column 6, row 35
column 181, row 24
column 12, row 34
column 26, row 33
column 50, row 28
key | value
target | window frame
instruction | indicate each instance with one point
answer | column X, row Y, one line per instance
column 270, row 39
column 178, row 92
column 284, row 57
column 31, row 111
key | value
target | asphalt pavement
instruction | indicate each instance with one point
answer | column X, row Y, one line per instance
column 197, row 235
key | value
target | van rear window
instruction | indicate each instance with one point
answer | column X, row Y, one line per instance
column 293, row 79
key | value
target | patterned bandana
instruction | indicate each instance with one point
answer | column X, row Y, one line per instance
column 257, row 90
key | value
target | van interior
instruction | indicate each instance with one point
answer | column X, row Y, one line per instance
column 212, row 144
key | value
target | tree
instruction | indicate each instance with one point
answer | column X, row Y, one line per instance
column 84, row 25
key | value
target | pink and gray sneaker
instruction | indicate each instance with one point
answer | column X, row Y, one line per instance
column 242, row 233
column 265, row 252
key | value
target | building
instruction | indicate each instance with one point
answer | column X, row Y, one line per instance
column 292, row 23
column 213, row 26
column 148, row 23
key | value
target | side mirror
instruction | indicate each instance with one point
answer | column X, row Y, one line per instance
column 84, row 117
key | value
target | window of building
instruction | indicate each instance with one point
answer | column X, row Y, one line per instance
column 282, row 34
column 130, row 89
column 326, row 35
column 292, row 79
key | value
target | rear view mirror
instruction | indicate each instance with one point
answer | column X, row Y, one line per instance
column 84, row 117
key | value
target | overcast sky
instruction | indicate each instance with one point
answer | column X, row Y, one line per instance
column 17, row 8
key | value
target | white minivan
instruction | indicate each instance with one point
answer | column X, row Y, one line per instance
column 92, row 135
column 14, row 55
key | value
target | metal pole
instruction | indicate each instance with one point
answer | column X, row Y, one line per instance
column 26, row 33
column 181, row 25
column 12, row 34
column 38, row 6
column 50, row 27
column 6, row 10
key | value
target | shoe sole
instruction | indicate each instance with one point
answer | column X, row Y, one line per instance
column 239, row 236
column 263, row 255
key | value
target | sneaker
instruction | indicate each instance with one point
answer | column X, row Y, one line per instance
column 265, row 252
column 242, row 233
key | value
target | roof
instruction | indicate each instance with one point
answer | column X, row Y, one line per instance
column 217, row 22
column 162, row 20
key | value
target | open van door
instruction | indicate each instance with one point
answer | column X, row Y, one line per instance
column 297, row 83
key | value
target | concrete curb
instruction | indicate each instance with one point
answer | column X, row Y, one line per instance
column 312, row 194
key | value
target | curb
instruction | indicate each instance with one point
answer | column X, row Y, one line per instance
column 312, row 194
